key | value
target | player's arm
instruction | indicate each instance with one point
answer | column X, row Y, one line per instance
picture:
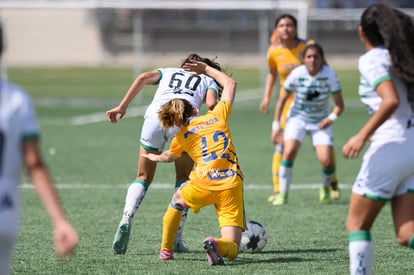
column 143, row 79
column 269, row 85
column 65, row 236
column 275, row 136
column 390, row 101
column 336, row 112
column 280, row 104
column 211, row 99
column 166, row 156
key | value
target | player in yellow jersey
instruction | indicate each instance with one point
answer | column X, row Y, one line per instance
column 216, row 178
column 284, row 54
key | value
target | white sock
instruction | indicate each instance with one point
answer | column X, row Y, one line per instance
column 285, row 177
column 135, row 195
column 360, row 257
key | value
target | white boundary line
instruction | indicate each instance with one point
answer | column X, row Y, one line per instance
column 300, row 186
column 139, row 111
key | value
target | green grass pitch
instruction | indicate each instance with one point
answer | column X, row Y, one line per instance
column 93, row 162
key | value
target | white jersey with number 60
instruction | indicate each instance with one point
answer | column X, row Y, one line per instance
column 177, row 83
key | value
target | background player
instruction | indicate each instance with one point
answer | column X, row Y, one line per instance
column 284, row 54
column 312, row 83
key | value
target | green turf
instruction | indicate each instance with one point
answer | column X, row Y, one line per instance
column 98, row 160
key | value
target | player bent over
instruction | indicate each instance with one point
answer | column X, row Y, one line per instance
column 216, row 178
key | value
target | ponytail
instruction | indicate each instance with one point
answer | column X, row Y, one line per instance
column 392, row 28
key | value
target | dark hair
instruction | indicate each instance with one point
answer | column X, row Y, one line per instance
column 286, row 15
column 196, row 57
column 211, row 63
column 383, row 25
column 1, row 40
column 289, row 16
column 317, row 47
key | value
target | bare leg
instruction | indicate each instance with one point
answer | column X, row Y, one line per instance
column 361, row 216
column 403, row 216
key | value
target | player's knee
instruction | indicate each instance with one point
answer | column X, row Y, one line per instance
column 145, row 178
column 177, row 201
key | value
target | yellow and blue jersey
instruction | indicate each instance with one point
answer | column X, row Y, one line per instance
column 207, row 140
column 284, row 60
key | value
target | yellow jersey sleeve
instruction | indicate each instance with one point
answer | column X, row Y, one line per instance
column 284, row 60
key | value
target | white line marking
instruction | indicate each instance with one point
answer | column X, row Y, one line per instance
column 300, row 186
column 138, row 111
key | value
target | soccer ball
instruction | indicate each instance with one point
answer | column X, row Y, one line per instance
column 254, row 238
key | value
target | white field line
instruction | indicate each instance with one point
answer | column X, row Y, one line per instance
column 299, row 186
column 244, row 96
column 101, row 116
column 138, row 111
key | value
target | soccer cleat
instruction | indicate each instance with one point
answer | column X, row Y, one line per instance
column 120, row 244
column 335, row 192
column 324, row 195
column 272, row 197
column 280, row 199
column 179, row 247
column 213, row 254
column 166, row 255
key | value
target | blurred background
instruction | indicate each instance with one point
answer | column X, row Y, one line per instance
column 146, row 33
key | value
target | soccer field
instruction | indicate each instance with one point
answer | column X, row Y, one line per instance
column 93, row 162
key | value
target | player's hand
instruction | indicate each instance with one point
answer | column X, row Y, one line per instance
column 112, row 114
column 277, row 137
column 152, row 157
column 66, row 239
column 263, row 107
column 195, row 67
column 324, row 123
column 353, row 147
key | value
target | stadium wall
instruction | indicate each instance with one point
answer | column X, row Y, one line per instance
column 72, row 37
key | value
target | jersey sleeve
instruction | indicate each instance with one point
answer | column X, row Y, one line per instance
column 213, row 86
column 160, row 71
column 223, row 108
column 271, row 61
column 374, row 71
column 289, row 84
column 175, row 148
column 334, row 83
column 30, row 126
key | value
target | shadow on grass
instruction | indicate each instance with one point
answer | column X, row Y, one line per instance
column 262, row 257
column 291, row 251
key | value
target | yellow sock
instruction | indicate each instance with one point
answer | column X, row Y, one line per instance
column 170, row 224
column 334, row 178
column 277, row 157
column 227, row 248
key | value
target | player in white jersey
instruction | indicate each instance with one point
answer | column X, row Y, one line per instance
column 172, row 83
column 387, row 170
column 313, row 84
column 19, row 147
